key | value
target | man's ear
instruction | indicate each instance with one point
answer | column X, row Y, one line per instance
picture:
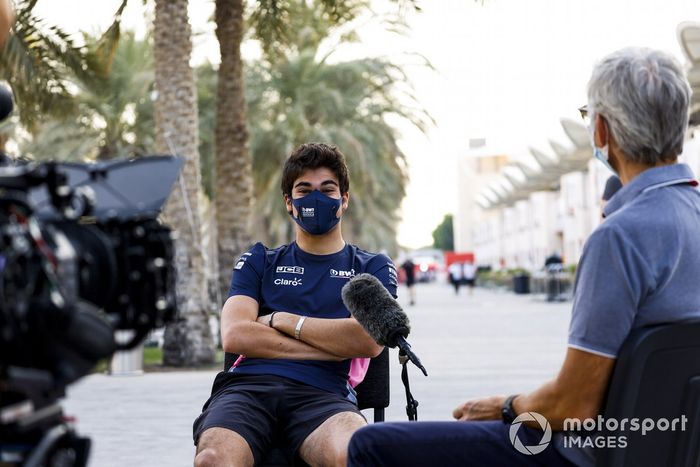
column 345, row 200
column 288, row 204
column 601, row 136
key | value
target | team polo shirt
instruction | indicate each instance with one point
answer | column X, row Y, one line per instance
column 289, row 279
column 641, row 265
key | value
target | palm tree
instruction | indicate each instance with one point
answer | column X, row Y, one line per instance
column 188, row 341
column 114, row 113
column 39, row 61
column 234, row 187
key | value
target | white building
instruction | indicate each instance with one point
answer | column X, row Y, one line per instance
column 513, row 213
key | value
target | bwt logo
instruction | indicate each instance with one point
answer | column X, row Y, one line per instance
column 530, row 417
column 342, row 274
column 307, row 212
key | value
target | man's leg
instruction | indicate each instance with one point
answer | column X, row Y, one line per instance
column 327, row 445
column 220, row 447
column 317, row 425
column 464, row 444
column 237, row 423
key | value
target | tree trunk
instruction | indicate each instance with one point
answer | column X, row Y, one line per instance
column 189, row 341
column 234, row 177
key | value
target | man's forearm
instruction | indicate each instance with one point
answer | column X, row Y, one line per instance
column 549, row 401
column 253, row 339
column 344, row 336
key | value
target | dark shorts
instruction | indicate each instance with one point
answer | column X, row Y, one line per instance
column 268, row 410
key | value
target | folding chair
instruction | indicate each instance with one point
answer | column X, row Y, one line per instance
column 656, row 376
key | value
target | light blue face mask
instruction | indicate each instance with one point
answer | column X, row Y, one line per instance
column 600, row 153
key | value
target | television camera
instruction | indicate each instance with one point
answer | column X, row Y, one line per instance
column 82, row 255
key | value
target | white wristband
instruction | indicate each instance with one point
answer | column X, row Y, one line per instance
column 297, row 330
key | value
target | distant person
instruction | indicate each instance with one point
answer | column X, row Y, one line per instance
column 409, row 269
column 612, row 185
column 469, row 274
column 456, row 274
column 553, row 262
column 638, row 268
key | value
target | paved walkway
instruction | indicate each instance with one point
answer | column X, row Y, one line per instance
column 484, row 344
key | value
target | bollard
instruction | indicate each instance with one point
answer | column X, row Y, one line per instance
column 127, row 363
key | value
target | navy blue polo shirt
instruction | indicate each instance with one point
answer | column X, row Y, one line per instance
column 641, row 265
column 289, row 279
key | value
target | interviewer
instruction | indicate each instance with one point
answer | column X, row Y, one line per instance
column 639, row 267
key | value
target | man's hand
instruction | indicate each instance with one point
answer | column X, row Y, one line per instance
column 485, row 408
column 264, row 319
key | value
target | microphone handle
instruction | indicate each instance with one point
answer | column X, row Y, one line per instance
column 406, row 348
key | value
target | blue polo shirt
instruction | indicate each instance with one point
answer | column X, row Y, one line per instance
column 641, row 265
column 289, row 279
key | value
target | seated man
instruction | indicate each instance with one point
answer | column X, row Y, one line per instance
column 286, row 319
column 639, row 267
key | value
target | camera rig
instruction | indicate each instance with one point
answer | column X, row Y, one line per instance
column 82, row 254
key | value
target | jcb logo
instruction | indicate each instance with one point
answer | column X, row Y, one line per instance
column 290, row 270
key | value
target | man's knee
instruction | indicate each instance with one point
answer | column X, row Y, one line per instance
column 328, row 444
column 209, row 457
column 222, row 447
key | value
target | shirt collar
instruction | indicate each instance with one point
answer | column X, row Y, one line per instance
column 655, row 177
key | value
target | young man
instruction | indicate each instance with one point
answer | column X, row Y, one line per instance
column 292, row 385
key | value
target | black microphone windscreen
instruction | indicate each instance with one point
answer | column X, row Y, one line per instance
column 375, row 309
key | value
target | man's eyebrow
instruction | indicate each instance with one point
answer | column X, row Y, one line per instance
column 307, row 184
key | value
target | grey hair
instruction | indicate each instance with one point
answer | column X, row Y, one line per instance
column 644, row 96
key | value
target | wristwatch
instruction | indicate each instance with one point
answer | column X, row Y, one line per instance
column 507, row 412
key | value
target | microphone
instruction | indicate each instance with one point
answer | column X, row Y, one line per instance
column 379, row 314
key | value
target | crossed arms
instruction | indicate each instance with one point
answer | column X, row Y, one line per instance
column 243, row 332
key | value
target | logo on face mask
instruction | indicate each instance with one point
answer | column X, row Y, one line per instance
column 307, row 212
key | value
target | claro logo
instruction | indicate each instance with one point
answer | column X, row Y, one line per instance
column 293, row 282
